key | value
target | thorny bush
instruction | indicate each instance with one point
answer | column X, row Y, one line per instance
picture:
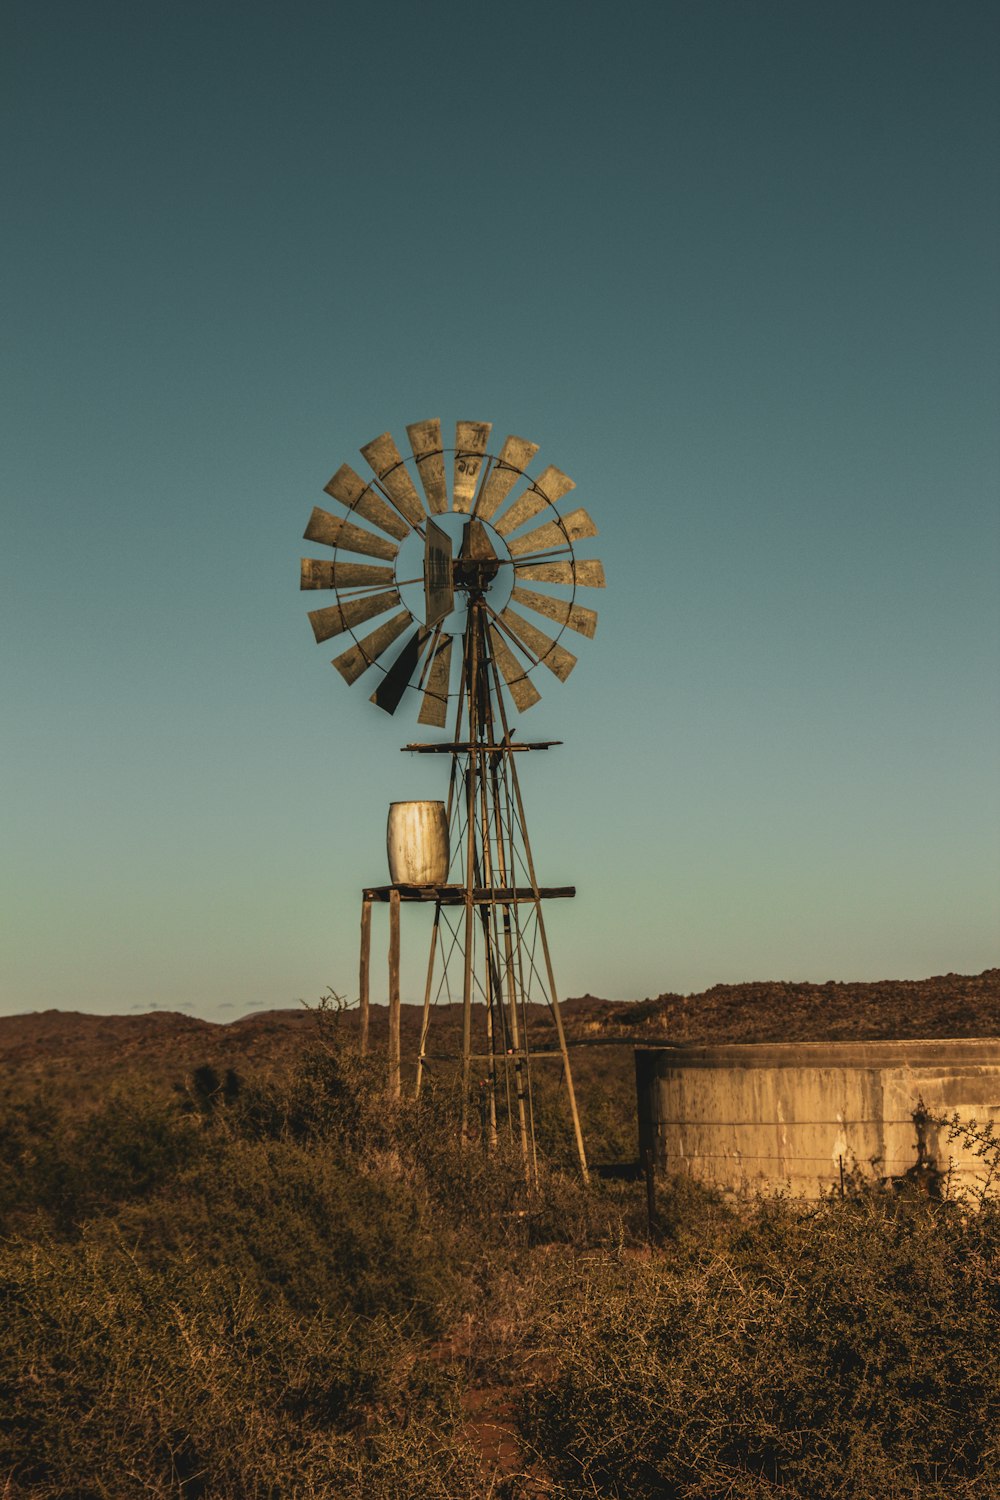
column 253, row 1289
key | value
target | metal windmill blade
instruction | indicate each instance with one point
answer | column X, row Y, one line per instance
column 365, row 653
column 522, row 689
column 425, row 444
column 470, row 448
column 434, row 708
column 561, row 610
column 514, row 457
column 542, row 646
column 317, row 573
column 578, row 573
column 337, row 618
column 554, row 536
column 547, row 489
column 333, row 532
column 350, row 489
column 386, row 462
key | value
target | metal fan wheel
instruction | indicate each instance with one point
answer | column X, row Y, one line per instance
column 409, row 561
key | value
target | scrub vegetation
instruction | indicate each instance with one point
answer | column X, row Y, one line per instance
column 291, row 1285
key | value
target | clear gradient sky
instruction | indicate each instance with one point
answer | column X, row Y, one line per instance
column 734, row 266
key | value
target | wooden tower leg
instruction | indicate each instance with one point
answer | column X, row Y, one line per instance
column 363, row 979
column 394, row 993
column 520, row 1071
column 471, row 784
column 426, row 1020
column 553, row 997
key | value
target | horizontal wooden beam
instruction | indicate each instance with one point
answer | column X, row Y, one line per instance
column 463, row 747
column 454, row 895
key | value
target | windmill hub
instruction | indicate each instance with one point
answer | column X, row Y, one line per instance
column 477, row 563
column 443, row 567
column 474, row 575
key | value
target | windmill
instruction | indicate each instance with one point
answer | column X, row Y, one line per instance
column 429, row 587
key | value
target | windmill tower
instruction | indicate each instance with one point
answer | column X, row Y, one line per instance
column 450, row 578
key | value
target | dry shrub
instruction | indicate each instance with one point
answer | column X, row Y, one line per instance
column 843, row 1351
column 118, row 1379
column 254, row 1291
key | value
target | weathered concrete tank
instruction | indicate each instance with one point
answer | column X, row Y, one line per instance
column 417, row 843
column 794, row 1116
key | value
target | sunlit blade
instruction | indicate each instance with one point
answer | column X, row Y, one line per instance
column 583, row 574
column 554, row 656
column 387, row 462
column 350, row 489
column 515, row 456
column 337, row 618
column 553, row 534
column 574, row 615
column 425, row 442
column 318, row 574
column 520, row 687
column 333, row 532
column 549, row 487
column 470, row 445
column 346, row 486
column 525, row 506
column 434, row 709
column 394, row 684
column 358, row 658
column 439, row 593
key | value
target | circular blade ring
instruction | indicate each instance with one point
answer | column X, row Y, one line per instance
column 494, row 490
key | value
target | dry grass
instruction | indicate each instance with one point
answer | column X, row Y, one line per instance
column 289, row 1285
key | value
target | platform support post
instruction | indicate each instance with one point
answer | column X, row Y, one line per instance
column 394, row 993
column 363, row 976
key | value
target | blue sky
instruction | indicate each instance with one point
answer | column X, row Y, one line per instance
column 734, row 268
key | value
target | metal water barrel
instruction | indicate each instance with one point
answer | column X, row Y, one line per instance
column 417, row 843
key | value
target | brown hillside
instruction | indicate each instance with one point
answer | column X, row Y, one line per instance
column 77, row 1058
column 82, row 1053
column 948, row 1005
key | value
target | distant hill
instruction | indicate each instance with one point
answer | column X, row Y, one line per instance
column 79, row 1060
column 77, row 1052
column 948, row 1005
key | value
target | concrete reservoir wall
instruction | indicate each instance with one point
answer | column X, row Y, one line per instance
column 786, row 1116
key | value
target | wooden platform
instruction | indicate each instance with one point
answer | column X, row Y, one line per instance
column 454, row 895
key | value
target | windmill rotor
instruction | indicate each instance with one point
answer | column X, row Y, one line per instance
column 411, row 551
